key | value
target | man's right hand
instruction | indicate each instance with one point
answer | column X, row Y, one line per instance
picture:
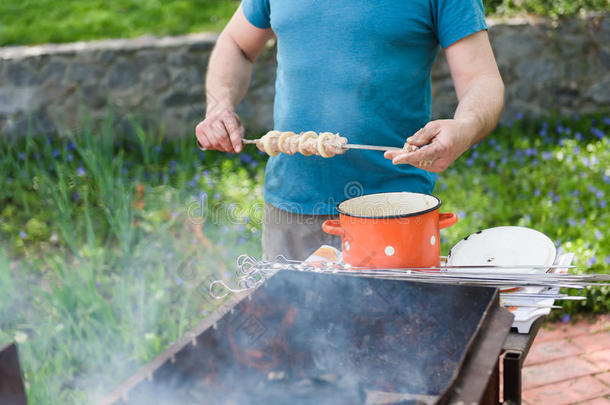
column 221, row 130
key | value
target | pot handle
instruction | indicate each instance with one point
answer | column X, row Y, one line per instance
column 446, row 219
column 333, row 227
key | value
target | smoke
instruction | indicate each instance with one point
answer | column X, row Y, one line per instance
column 324, row 339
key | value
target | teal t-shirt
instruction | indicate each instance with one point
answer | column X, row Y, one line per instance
column 360, row 68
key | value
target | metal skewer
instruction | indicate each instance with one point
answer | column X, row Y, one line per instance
column 346, row 146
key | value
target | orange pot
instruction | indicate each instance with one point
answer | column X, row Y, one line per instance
column 390, row 230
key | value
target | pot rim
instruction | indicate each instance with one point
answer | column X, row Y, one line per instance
column 413, row 214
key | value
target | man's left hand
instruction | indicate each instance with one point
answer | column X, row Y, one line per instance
column 440, row 143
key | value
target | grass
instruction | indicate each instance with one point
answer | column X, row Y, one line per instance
column 108, row 241
column 42, row 21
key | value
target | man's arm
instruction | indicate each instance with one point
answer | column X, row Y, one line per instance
column 228, row 78
column 480, row 93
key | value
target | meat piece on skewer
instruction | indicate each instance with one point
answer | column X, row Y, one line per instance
column 308, row 144
column 288, row 143
column 330, row 144
column 269, row 143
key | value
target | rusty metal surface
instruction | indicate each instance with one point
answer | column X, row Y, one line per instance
column 322, row 339
column 473, row 385
column 12, row 391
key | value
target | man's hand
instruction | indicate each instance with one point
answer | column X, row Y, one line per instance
column 440, row 144
column 221, row 130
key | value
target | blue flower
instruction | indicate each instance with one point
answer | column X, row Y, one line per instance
column 475, row 154
column 216, row 196
column 606, row 178
column 241, row 229
column 469, row 162
column 597, row 132
column 241, row 241
column 55, row 153
column 492, row 164
column 461, row 214
column 80, row 172
column 543, row 132
column 575, row 193
column 578, row 136
column 76, row 196
column 606, row 120
column 591, row 261
column 531, row 151
column 23, row 235
column 519, row 115
column 201, row 156
column 565, row 318
column 157, row 149
column 591, row 188
column 602, row 204
column 583, row 222
column 492, row 142
column 536, row 192
column 179, row 281
column 572, row 222
column 22, row 156
column 254, row 163
column 598, row 234
column 599, row 194
column 245, row 158
column 547, row 155
column 556, row 199
column 70, row 146
column 576, row 150
column 586, row 162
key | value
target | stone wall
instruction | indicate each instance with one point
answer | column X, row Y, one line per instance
column 545, row 66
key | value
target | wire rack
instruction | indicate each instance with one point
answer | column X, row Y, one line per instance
column 252, row 273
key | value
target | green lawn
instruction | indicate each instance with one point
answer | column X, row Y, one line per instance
column 25, row 22
column 40, row 21
column 105, row 259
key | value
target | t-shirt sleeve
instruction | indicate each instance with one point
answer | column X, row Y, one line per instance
column 456, row 19
column 257, row 12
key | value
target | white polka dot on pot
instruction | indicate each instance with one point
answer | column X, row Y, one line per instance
column 346, row 245
column 433, row 240
column 389, row 250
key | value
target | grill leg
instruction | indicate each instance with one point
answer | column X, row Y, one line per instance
column 512, row 377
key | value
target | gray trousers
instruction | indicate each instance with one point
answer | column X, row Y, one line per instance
column 294, row 236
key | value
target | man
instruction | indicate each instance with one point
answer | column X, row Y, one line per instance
column 360, row 68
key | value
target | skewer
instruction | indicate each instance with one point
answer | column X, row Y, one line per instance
column 346, row 146
column 251, row 273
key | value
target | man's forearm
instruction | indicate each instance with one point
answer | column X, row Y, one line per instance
column 228, row 76
column 481, row 105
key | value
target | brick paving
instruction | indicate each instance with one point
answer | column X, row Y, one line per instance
column 569, row 364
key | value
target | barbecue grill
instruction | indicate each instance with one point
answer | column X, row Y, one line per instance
column 310, row 338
